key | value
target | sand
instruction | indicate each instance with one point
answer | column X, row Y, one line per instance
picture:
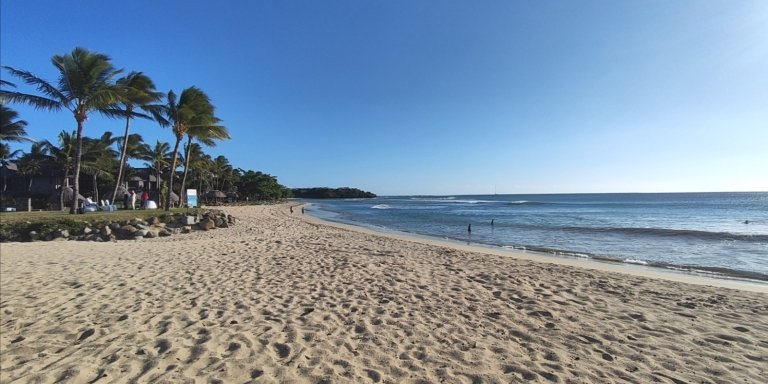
column 280, row 299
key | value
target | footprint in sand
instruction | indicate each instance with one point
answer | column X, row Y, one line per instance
column 283, row 350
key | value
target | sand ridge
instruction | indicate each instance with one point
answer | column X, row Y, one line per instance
column 277, row 299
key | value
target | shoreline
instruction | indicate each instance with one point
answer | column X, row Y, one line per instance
column 703, row 277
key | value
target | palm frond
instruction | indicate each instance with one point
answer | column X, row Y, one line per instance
column 42, row 86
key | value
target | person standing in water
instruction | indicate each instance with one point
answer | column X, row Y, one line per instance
column 469, row 233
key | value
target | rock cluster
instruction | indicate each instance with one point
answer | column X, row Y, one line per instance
column 136, row 229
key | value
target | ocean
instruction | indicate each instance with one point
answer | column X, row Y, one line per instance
column 714, row 233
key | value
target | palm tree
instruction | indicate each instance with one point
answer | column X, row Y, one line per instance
column 63, row 157
column 32, row 163
column 193, row 110
column 206, row 135
column 11, row 130
column 84, row 86
column 138, row 90
column 99, row 159
column 158, row 159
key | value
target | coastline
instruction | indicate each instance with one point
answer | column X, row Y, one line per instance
column 279, row 298
column 600, row 264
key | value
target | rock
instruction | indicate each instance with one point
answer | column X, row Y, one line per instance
column 87, row 231
column 141, row 233
column 218, row 221
column 106, row 231
column 34, row 235
column 154, row 220
column 188, row 220
column 141, row 226
column 151, row 234
column 164, row 233
column 114, row 226
column 186, row 229
column 128, row 230
column 61, row 234
column 206, row 224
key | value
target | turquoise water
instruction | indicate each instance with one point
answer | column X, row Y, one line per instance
column 724, row 233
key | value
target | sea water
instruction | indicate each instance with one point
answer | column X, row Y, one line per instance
column 720, row 233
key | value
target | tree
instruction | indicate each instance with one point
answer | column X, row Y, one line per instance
column 206, row 135
column 32, row 163
column 63, row 157
column 10, row 130
column 138, row 91
column 260, row 186
column 192, row 110
column 84, row 86
column 99, row 159
column 158, row 159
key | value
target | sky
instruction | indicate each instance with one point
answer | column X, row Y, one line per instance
column 439, row 97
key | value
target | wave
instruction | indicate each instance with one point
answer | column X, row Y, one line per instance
column 674, row 233
column 526, row 202
column 381, row 206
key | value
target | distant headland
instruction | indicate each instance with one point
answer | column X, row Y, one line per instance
column 331, row 193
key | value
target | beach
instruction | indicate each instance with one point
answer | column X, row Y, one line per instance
column 286, row 298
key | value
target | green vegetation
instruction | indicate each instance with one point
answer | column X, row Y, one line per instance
column 331, row 193
column 87, row 82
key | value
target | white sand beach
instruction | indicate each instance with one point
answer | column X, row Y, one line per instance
column 281, row 298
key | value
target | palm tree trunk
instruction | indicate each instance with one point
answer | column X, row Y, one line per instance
column 78, row 156
column 95, row 187
column 173, row 173
column 124, row 156
column 182, row 192
column 64, row 184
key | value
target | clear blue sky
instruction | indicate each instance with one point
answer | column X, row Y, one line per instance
column 441, row 97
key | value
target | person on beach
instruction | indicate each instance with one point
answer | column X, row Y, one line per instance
column 291, row 209
column 133, row 199
column 469, row 229
column 144, row 199
column 126, row 199
column 302, row 210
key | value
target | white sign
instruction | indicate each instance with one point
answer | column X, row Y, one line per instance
column 192, row 198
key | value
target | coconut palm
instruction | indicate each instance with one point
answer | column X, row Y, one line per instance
column 158, row 157
column 11, row 130
column 84, row 85
column 206, row 135
column 192, row 110
column 99, row 159
column 138, row 91
column 63, row 157
column 32, row 163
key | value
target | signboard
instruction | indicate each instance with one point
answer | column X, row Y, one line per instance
column 192, row 198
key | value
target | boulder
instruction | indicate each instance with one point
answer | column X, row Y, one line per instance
column 206, row 224
column 34, row 235
column 106, row 231
column 128, row 230
column 141, row 233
